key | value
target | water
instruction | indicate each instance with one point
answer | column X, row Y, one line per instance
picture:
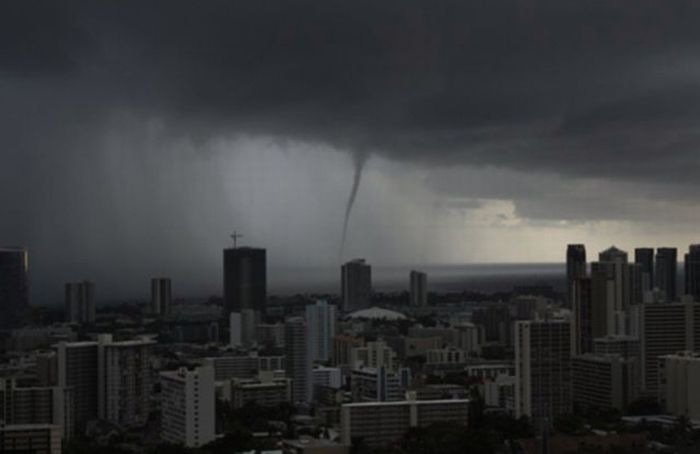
column 441, row 278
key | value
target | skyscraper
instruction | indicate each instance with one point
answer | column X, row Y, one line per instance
column 581, row 308
column 245, row 279
column 644, row 257
column 613, row 289
column 298, row 364
column 80, row 302
column 14, row 286
column 692, row 272
column 320, row 328
column 666, row 267
column 543, row 370
column 419, row 289
column 161, row 296
column 356, row 285
column 575, row 267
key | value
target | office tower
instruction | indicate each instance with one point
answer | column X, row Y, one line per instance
column 543, row 370
column 356, row 285
column 377, row 384
column 30, row 438
column 379, row 424
column 188, row 412
column 679, row 394
column 124, row 380
column 665, row 275
column 320, row 326
column 581, row 322
column 80, row 302
column 614, row 288
column 575, row 267
column 664, row 329
column 692, row 272
column 419, row 289
column 298, row 363
column 14, row 286
column 245, row 279
column 77, row 370
column 161, row 296
column 644, row 257
column 604, row 381
column 374, row 354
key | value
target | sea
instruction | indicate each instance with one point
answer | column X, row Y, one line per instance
column 486, row 278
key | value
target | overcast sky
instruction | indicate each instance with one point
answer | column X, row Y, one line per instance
column 136, row 135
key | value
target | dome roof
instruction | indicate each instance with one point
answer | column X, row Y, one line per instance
column 377, row 313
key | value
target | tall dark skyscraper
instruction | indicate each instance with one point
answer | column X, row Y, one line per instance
column 692, row 272
column 80, row 302
column 575, row 267
column 245, row 279
column 161, row 296
column 666, row 270
column 644, row 257
column 356, row 285
column 14, row 286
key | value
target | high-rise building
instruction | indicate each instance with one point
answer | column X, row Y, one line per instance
column 644, row 257
column 21, row 405
column 14, row 286
column 297, row 361
column 692, row 272
column 320, row 326
column 543, row 369
column 343, row 344
column 124, row 380
column 77, row 370
column 80, row 302
column 267, row 390
column 356, row 285
column 604, row 381
column 188, row 413
column 678, row 388
column 664, row 329
column 245, row 279
column 625, row 346
column 575, row 267
column 379, row 424
column 614, row 288
column 30, row 438
column 419, row 289
column 161, row 296
column 581, row 322
column 666, row 270
column 497, row 322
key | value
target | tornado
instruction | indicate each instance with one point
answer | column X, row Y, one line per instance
column 360, row 158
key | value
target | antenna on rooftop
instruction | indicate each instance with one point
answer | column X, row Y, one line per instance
column 235, row 235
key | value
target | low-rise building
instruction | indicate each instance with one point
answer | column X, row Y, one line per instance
column 265, row 391
column 30, row 438
column 377, row 424
column 369, row 384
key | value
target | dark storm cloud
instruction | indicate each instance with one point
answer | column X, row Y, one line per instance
column 554, row 85
column 604, row 90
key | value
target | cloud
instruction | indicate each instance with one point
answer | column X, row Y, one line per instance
column 560, row 110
